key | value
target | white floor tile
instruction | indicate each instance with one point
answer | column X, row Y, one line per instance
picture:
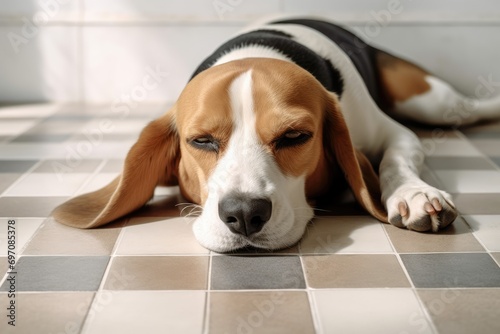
column 24, row 228
column 131, row 312
column 345, row 235
column 166, row 191
column 97, row 182
column 144, row 236
column 487, row 229
column 370, row 311
column 47, row 184
column 29, row 110
column 38, row 151
column 8, row 127
column 466, row 181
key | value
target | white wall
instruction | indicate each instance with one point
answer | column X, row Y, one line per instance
column 101, row 50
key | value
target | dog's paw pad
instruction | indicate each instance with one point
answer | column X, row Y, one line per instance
column 421, row 209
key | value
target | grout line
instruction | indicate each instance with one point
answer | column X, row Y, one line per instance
column 422, row 307
column 104, row 277
column 425, row 312
column 400, row 260
column 206, row 314
column 310, row 296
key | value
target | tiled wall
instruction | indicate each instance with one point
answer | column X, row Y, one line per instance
column 96, row 51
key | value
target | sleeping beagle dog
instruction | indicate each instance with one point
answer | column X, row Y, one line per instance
column 278, row 116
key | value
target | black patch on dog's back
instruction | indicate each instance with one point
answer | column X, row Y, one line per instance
column 361, row 54
column 320, row 68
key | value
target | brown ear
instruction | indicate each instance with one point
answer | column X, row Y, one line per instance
column 152, row 160
column 358, row 171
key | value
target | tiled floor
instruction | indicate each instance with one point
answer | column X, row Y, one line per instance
column 147, row 274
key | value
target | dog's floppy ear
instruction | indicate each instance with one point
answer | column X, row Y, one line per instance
column 357, row 169
column 152, row 160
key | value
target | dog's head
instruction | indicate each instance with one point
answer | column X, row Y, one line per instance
column 250, row 141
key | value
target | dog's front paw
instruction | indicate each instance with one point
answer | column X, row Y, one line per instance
column 421, row 208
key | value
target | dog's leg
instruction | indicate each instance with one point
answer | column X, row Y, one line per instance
column 410, row 202
column 414, row 94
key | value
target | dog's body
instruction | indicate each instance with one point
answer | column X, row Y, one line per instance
column 273, row 119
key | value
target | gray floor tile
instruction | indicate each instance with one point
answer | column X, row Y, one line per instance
column 55, row 127
column 5, row 138
column 446, row 270
column 462, row 163
column 496, row 160
column 83, row 166
column 109, row 137
column 257, row 272
column 29, row 206
column 16, row 166
column 41, row 138
column 59, row 273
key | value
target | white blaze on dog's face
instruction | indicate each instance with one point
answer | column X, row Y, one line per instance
column 249, row 143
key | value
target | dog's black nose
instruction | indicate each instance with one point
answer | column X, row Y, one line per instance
column 243, row 214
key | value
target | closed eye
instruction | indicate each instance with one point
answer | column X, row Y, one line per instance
column 292, row 138
column 205, row 143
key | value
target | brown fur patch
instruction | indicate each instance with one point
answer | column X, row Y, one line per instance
column 400, row 79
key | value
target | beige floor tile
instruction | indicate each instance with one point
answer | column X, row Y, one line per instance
column 158, row 273
column 46, row 312
column 354, row 271
column 456, row 238
column 449, row 147
column 478, row 204
column 464, row 311
column 380, row 311
column 157, row 236
column 487, row 146
column 342, row 234
column 57, row 239
column 3, row 265
column 467, row 181
column 496, row 256
column 160, row 312
column 260, row 312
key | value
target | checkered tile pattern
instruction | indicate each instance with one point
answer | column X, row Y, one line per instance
column 147, row 274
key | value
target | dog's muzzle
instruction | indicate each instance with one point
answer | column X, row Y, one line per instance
column 244, row 214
